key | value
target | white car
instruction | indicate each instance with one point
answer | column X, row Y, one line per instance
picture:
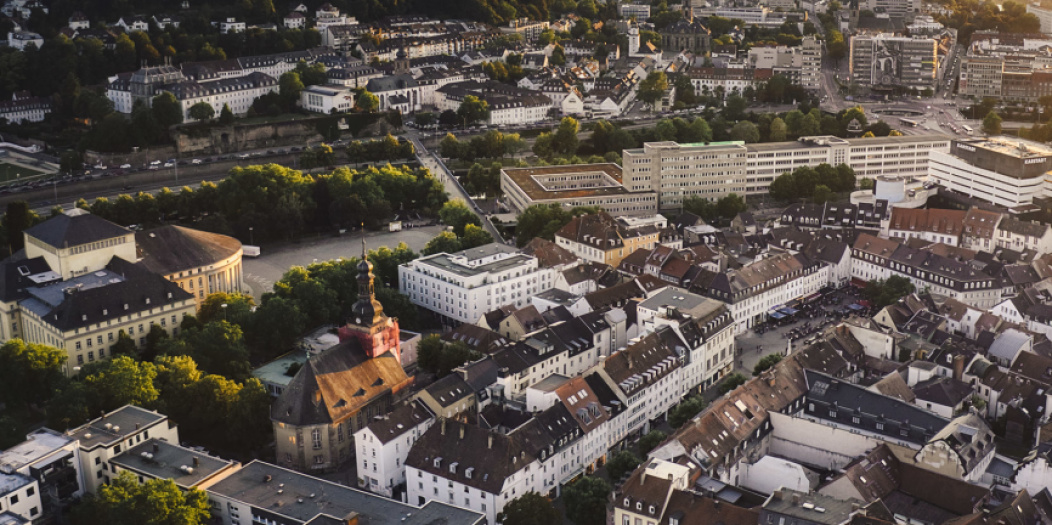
column 100, row 166
column 125, row 166
column 195, row 161
column 155, row 163
column 169, row 164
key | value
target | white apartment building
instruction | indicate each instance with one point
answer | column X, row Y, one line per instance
column 24, row 109
column 231, row 25
column 876, row 258
column 705, row 325
column 800, row 64
column 105, row 437
column 678, row 171
column 1006, row 171
column 52, row 460
column 382, row 447
column 462, row 286
column 647, row 376
column 760, row 288
column 19, row 495
column 871, row 157
column 20, row 40
column 326, row 99
column 1018, row 235
column 239, row 93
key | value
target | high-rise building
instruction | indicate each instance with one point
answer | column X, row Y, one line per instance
column 888, row 61
column 1003, row 170
column 678, row 171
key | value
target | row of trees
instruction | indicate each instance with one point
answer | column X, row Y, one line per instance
column 543, row 220
column 724, row 208
column 278, row 202
column 819, row 182
column 492, row 144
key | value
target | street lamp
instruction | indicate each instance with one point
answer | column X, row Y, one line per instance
column 224, row 310
column 250, row 241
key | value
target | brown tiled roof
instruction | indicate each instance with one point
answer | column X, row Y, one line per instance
column 980, row 223
column 876, row 246
column 548, row 253
column 949, row 222
column 893, row 385
column 691, row 509
column 653, row 353
column 647, row 490
column 336, row 384
column 582, row 404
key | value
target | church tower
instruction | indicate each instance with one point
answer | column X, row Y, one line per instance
column 401, row 63
column 376, row 332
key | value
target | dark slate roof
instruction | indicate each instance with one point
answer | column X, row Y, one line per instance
column 171, row 249
column 831, row 399
column 449, row 390
column 399, row 421
column 73, row 229
column 490, row 457
column 15, row 272
column 945, row 391
column 140, row 290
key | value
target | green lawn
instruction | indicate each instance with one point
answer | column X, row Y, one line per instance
column 10, row 172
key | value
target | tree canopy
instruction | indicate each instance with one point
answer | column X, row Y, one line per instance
column 124, row 501
column 585, row 500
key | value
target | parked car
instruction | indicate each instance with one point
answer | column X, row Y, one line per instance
column 100, row 166
column 195, row 162
column 125, row 166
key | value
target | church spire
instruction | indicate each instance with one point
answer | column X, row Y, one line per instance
column 366, row 310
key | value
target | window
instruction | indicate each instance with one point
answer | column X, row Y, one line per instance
column 315, row 436
column 14, row 499
column 31, row 491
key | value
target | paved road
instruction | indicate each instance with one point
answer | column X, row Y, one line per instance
column 261, row 272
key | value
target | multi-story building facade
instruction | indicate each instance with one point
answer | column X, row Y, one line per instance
column 19, row 499
column 24, row 108
column 201, row 263
column 869, row 158
column 575, row 185
column 78, row 287
column 932, row 225
column 265, row 493
column 382, row 446
column 461, row 287
column 52, row 460
column 1006, row 171
column 887, row 61
column 678, row 171
column 876, row 258
column 1012, row 67
column 104, row 438
column 800, row 65
column 603, row 239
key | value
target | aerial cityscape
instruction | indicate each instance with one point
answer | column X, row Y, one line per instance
column 526, row 262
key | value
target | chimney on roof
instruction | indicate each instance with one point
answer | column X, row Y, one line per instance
column 796, row 499
column 958, row 367
column 156, row 447
column 490, row 440
column 778, row 495
column 443, row 429
column 197, row 462
column 136, row 426
column 461, row 431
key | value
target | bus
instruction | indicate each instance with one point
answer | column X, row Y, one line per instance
column 967, row 129
column 909, row 122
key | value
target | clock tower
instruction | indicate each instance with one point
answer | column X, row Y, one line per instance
column 376, row 332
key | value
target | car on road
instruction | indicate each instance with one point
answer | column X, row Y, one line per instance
column 100, row 166
column 125, row 166
column 169, row 164
column 195, row 162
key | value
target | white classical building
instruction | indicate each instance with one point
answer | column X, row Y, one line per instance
column 461, row 287
column 326, row 99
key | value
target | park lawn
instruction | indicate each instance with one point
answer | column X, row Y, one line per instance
column 10, row 172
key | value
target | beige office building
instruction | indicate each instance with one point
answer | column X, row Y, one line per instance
column 678, row 171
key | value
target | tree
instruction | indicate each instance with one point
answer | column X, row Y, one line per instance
column 822, row 194
column 835, row 45
column 119, row 381
column 621, row 464
column 167, row 111
column 217, row 347
column 992, row 124
column 472, row 110
column 884, row 292
column 866, row 184
column 766, row 362
column 444, row 242
column 778, row 130
column 686, row 411
column 202, row 111
column 585, row 500
column 289, row 88
column 731, row 382
column 746, row 131
column 731, row 205
column 544, row 145
column 124, row 501
column 651, row 441
column 124, row 345
column 565, row 139
column 226, row 117
column 17, row 218
column 367, row 101
column 456, row 213
column 543, row 221
column 652, row 88
column 529, row 509
column 30, row 372
column 474, row 235
column 440, row 358
column 233, row 307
